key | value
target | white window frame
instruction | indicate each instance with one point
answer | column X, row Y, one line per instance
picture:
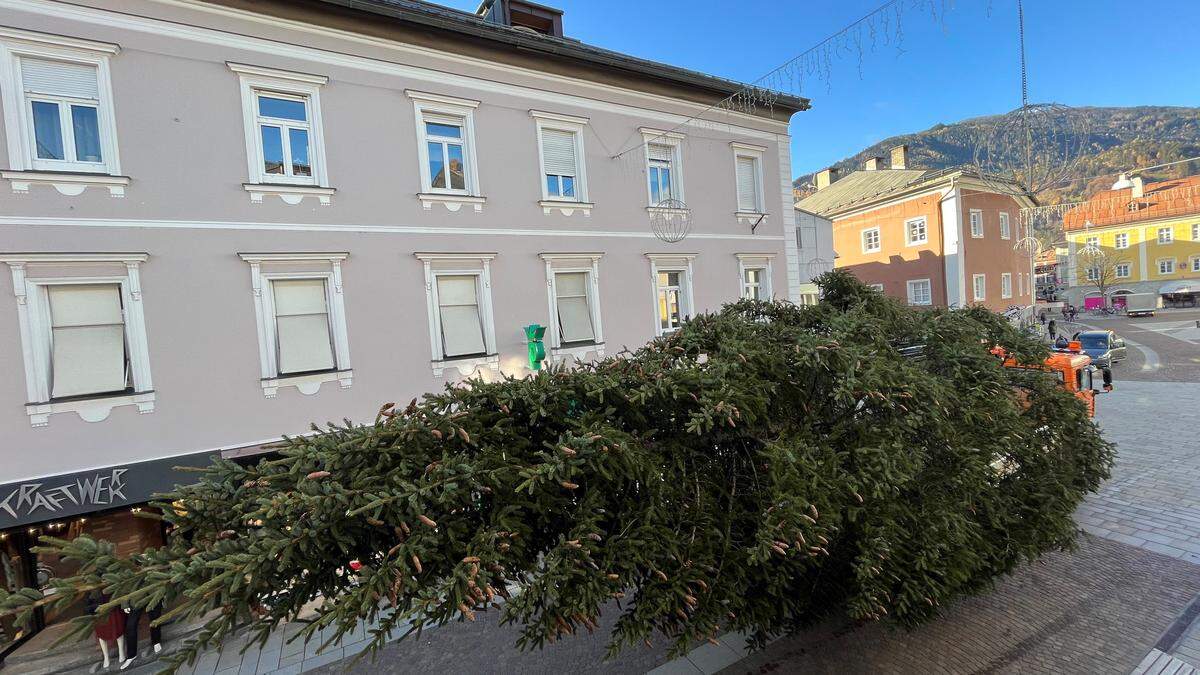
column 1122, row 270
column 1195, row 260
column 674, row 140
column 976, row 220
column 253, row 80
column 478, row 265
column 1091, row 242
column 1005, row 225
column 588, row 264
column 1092, row 273
column 975, row 287
column 755, row 153
column 1121, row 240
column 910, row 284
column 879, row 287
column 431, row 108
column 1164, row 261
column 908, row 225
column 1196, row 232
column 1170, row 235
column 24, row 168
column 756, row 261
column 878, row 240
column 1006, row 285
column 33, row 316
column 672, row 262
column 575, row 126
column 267, row 267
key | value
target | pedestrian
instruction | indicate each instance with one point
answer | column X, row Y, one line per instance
column 1052, row 329
column 1042, row 317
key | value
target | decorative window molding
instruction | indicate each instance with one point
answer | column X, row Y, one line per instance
column 57, row 97
column 1005, row 226
column 572, row 265
column 33, row 274
column 1006, row 284
column 748, row 182
column 976, row 223
column 979, row 286
column 479, row 266
column 664, row 165
column 446, row 127
column 562, row 163
column 871, row 241
column 663, row 294
column 266, row 268
column 754, row 276
column 285, row 106
column 920, row 291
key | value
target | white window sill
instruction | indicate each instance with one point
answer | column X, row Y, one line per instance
column 466, row 366
column 290, row 194
column 750, row 217
column 452, row 202
column 565, row 206
column 917, row 243
column 306, row 384
column 89, row 409
column 673, row 212
column 68, row 184
column 577, row 352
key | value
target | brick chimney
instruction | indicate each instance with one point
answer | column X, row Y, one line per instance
column 873, row 164
column 900, row 157
column 826, row 177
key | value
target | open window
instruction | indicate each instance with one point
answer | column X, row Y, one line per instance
column 83, row 333
column 458, row 293
column 572, row 283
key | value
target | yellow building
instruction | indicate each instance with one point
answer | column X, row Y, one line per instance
column 1149, row 235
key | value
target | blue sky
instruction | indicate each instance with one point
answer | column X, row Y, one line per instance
column 1080, row 52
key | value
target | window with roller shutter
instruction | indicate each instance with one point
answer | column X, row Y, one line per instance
column 747, row 184
column 560, row 165
column 302, row 328
column 574, row 309
column 62, row 104
column 662, row 173
column 87, row 340
column 458, row 311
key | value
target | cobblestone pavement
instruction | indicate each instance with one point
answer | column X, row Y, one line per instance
column 1153, row 497
column 1100, row 609
column 1171, row 338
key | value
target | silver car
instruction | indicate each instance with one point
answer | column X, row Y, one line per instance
column 1103, row 346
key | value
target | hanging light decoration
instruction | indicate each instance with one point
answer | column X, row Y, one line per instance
column 1034, row 148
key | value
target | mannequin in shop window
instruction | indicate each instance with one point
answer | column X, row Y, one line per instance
column 111, row 627
column 132, row 618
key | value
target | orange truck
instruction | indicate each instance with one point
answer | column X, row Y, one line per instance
column 1074, row 371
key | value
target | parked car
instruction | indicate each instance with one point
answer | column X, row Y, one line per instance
column 1103, row 346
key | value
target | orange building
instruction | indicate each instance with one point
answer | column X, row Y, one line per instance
column 930, row 237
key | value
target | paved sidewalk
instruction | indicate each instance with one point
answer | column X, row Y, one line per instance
column 1153, row 498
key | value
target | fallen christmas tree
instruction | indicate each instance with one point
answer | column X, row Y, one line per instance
column 765, row 467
